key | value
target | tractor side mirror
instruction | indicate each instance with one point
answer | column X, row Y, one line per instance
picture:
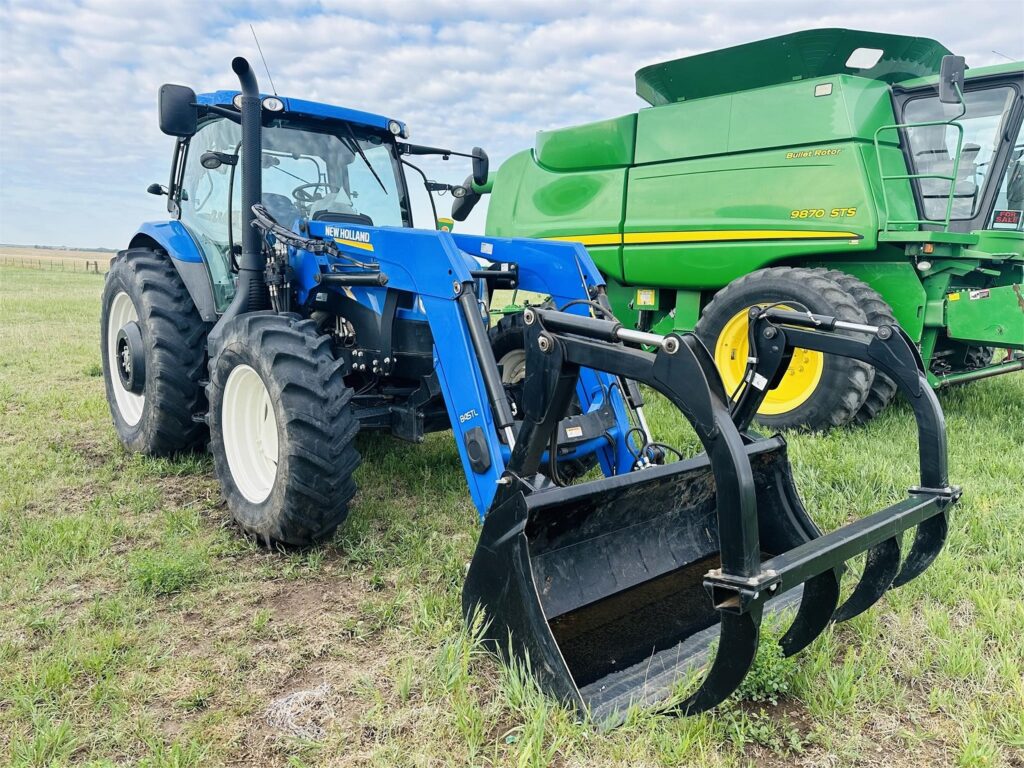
column 951, row 79
column 481, row 166
column 179, row 115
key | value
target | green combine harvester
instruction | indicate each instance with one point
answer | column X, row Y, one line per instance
column 853, row 174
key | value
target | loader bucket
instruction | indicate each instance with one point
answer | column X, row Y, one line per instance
column 604, row 582
column 620, row 590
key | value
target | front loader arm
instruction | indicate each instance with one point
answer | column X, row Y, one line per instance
column 437, row 269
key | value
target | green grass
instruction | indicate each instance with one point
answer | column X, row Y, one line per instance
column 138, row 628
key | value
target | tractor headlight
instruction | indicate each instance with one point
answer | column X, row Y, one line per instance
column 273, row 104
column 237, row 101
column 395, row 127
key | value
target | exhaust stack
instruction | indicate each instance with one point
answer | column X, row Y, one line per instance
column 251, row 290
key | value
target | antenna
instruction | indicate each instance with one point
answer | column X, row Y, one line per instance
column 258, row 48
column 997, row 53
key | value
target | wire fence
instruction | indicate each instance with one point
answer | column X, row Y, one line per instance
column 95, row 267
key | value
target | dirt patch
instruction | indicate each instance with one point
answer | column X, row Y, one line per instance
column 184, row 491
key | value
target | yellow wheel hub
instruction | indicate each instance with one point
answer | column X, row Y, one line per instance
column 801, row 378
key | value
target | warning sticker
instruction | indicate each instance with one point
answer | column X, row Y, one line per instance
column 982, row 294
column 645, row 297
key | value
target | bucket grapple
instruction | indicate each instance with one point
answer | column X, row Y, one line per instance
column 622, row 590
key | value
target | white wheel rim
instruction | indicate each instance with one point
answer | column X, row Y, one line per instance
column 129, row 404
column 249, row 431
column 513, row 366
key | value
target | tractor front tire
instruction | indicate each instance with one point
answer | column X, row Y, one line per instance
column 508, row 342
column 144, row 289
column 282, row 428
column 818, row 392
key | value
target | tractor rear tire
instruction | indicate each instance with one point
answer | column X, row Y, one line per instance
column 826, row 391
column 143, row 286
column 508, row 342
column 282, row 428
column 878, row 312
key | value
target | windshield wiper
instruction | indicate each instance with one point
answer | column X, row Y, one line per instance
column 357, row 148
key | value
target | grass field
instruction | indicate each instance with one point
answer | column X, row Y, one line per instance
column 137, row 627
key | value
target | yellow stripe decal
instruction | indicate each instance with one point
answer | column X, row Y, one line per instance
column 612, row 239
column 354, row 244
column 708, row 236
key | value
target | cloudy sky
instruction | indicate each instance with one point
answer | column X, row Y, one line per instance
column 78, row 80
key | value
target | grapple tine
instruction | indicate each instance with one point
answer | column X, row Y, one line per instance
column 931, row 535
column 737, row 647
column 819, row 601
column 880, row 568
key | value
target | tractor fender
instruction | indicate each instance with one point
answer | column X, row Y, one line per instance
column 187, row 258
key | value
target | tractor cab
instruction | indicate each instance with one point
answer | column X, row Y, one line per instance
column 319, row 163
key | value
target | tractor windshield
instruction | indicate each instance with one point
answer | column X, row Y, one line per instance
column 344, row 172
column 933, row 148
column 333, row 171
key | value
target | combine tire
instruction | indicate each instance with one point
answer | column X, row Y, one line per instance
column 508, row 342
column 153, row 345
column 878, row 312
column 282, row 428
column 818, row 392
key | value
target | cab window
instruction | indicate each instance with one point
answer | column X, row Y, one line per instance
column 204, row 202
column 933, row 148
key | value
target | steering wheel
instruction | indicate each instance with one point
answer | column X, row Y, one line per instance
column 302, row 196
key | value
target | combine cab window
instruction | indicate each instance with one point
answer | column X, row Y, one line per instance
column 933, row 148
column 1009, row 208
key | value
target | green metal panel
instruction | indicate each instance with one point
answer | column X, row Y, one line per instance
column 710, row 206
column 789, row 115
column 531, row 201
column 684, row 130
column 898, row 283
column 974, row 73
column 604, row 144
column 809, row 54
column 991, row 316
column 1001, row 243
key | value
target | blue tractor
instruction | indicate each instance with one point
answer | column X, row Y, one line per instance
column 288, row 303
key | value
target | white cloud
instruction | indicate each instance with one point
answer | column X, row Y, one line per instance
column 78, row 80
